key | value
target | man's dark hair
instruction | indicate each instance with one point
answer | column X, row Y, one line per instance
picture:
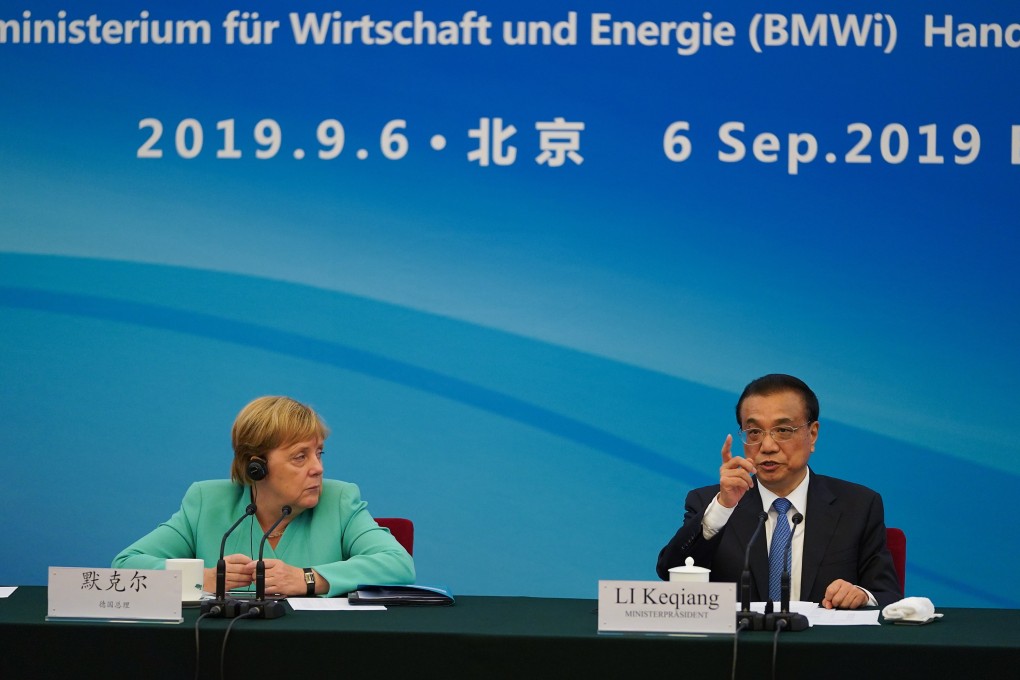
column 774, row 383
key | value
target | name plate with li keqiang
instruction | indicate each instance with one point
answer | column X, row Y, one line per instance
column 152, row 595
column 667, row 607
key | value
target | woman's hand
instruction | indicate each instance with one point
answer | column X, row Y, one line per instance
column 237, row 575
column 281, row 578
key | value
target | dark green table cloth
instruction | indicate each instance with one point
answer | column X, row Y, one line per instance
column 490, row 637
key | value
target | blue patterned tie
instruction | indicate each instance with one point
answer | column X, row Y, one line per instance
column 777, row 552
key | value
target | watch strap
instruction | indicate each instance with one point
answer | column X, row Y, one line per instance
column 309, row 581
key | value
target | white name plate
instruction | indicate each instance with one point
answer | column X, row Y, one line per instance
column 114, row 594
column 667, row 607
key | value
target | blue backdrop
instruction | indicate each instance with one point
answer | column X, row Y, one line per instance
column 523, row 284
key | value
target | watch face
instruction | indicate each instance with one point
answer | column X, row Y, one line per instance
column 309, row 577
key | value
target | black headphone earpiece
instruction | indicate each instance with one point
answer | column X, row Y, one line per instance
column 257, row 469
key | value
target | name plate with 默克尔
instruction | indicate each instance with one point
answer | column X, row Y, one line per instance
column 667, row 607
column 114, row 594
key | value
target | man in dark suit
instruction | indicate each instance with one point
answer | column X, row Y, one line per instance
column 839, row 556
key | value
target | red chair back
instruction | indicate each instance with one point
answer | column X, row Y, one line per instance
column 896, row 541
column 402, row 530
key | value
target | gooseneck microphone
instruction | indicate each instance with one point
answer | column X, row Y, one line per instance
column 747, row 619
column 260, row 566
column 784, row 587
column 267, row 609
column 784, row 620
column 217, row 606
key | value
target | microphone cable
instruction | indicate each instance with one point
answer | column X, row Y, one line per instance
column 215, row 611
column 780, row 625
column 250, row 614
column 744, row 624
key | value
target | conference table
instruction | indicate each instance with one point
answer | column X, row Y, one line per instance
column 489, row 637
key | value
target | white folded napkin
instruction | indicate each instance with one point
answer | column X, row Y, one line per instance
column 916, row 609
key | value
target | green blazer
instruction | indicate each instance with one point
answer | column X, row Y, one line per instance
column 338, row 537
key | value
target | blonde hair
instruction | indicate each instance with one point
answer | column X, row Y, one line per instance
column 268, row 423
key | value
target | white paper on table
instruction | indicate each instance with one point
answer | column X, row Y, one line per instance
column 796, row 606
column 820, row 616
column 844, row 617
column 330, row 604
column 7, row 591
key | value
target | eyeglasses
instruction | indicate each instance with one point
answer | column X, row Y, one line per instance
column 781, row 433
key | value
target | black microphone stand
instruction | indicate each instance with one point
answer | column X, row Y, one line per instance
column 784, row 619
column 220, row 605
column 747, row 619
column 267, row 609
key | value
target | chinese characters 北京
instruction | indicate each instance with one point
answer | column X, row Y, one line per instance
column 559, row 141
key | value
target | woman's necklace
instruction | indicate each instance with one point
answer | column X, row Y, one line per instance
column 278, row 531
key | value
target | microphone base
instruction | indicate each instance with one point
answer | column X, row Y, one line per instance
column 218, row 609
column 267, row 609
column 794, row 622
column 755, row 621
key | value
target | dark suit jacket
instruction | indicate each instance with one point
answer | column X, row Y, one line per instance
column 844, row 537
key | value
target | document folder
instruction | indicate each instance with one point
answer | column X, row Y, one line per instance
column 399, row 595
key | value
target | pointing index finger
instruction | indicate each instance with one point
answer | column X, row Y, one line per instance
column 727, row 445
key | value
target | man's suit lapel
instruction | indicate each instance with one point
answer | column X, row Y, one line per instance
column 820, row 522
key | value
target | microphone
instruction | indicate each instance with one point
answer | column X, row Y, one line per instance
column 216, row 606
column 784, row 588
column 784, row 620
column 754, row 620
column 260, row 566
column 267, row 609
